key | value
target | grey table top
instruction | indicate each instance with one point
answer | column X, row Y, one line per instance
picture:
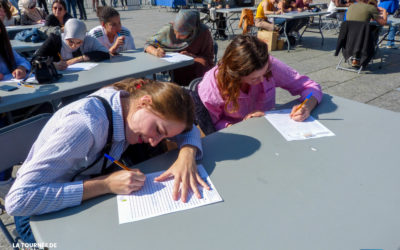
column 23, row 27
column 329, row 193
column 129, row 64
column 21, row 46
column 296, row 15
column 234, row 10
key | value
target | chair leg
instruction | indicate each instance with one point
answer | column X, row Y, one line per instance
column 7, row 234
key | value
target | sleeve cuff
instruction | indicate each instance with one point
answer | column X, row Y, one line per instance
column 191, row 138
column 73, row 193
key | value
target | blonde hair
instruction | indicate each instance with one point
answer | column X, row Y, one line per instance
column 168, row 100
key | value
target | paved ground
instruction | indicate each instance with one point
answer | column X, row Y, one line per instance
column 378, row 87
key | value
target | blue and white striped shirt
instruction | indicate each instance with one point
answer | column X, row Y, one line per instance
column 71, row 140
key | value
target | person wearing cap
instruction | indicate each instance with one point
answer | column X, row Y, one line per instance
column 188, row 36
column 73, row 46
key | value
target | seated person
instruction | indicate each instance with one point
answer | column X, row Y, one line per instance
column 189, row 37
column 221, row 21
column 334, row 12
column 60, row 15
column 5, row 13
column 30, row 14
column 66, row 164
column 243, row 84
column 390, row 6
column 264, row 8
column 292, row 26
column 72, row 46
column 11, row 63
column 302, row 5
column 365, row 10
column 111, row 34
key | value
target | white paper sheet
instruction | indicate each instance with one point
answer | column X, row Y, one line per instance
column 82, row 66
column 10, row 78
column 176, row 57
column 292, row 130
column 155, row 198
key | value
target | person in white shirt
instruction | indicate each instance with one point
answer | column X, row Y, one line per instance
column 111, row 33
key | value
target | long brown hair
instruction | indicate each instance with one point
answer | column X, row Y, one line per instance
column 168, row 100
column 5, row 48
column 244, row 55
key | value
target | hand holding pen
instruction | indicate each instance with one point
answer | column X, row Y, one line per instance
column 125, row 181
column 159, row 52
column 301, row 112
column 60, row 65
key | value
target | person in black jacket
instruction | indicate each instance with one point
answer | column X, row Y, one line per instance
column 60, row 15
column 73, row 46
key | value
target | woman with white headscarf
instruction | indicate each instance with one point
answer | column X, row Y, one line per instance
column 30, row 14
column 73, row 46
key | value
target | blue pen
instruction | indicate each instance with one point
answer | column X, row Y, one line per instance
column 117, row 162
column 304, row 102
column 119, row 34
column 157, row 43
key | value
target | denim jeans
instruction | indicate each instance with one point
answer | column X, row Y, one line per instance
column 71, row 4
column 23, row 228
column 391, row 35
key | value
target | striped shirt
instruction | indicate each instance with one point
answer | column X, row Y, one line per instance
column 99, row 33
column 72, row 139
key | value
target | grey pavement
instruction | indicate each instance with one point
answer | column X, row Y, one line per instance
column 374, row 86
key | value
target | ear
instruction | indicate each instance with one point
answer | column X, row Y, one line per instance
column 103, row 24
column 145, row 101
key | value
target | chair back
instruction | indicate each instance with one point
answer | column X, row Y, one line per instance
column 203, row 118
column 17, row 139
column 246, row 20
column 213, row 14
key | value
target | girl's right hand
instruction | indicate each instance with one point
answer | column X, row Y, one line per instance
column 125, row 182
column 160, row 52
column 61, row 65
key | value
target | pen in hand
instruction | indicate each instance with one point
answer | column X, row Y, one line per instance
column 120, row 164
column 304, row 102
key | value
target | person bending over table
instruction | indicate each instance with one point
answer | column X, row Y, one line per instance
column 264, row 8
column 243, row 84
column 188, row 36
column 30, row 14
column 73, row 46
column 60, row 169
column 111, row 34
column 10, row 61
column 60, row 15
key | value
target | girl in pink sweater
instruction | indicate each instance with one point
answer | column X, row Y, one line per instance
column 243, row 84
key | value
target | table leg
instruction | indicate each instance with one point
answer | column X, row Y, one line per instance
column 320, row 30
column 286, row 36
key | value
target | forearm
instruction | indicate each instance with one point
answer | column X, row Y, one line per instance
column 27, row 200
column 77, row 60
column 311, row 103
column 94, row 187
column 151, row 50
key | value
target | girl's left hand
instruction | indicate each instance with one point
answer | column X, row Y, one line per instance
column 254, row 114
column 185, row 173
column 19, row 73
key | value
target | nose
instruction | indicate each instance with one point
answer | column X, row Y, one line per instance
column 155, row 140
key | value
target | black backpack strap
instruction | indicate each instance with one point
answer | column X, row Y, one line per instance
column 107, row 147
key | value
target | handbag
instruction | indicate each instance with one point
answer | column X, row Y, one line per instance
column 44, row 70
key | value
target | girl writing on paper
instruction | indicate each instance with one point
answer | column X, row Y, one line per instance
column 10, row 61
column 65, row 165
column 243, row 84
column 110, row 33
column 72, row 46
column 188, row 36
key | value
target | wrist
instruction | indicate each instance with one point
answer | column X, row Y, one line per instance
column 188, row 150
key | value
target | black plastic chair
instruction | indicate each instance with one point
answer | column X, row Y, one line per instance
column 203, row 118
column 16, row 141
